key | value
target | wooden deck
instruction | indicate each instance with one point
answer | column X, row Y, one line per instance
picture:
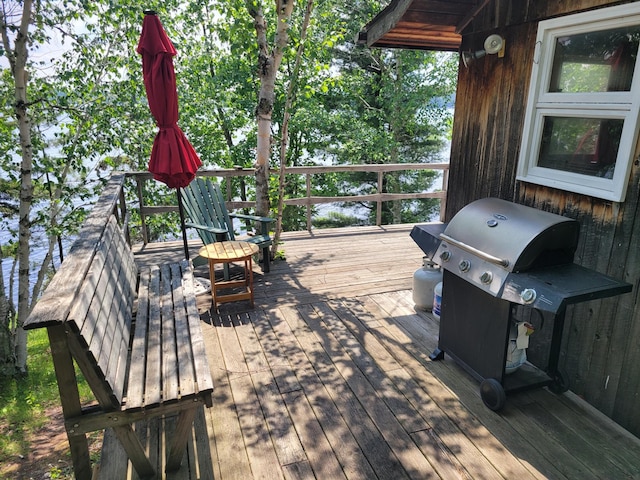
column 328, row 377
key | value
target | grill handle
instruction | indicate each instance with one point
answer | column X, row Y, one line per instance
column 485, row 256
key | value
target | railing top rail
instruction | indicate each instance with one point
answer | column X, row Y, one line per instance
column 308, row 200
column 239, row 172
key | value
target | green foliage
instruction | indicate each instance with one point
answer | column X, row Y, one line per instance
column 90, row 115
column 24, row 401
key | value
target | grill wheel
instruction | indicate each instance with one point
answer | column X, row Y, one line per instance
column 492, row 394
column 560, row 382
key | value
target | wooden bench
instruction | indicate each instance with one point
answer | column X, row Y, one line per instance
column 136, row 338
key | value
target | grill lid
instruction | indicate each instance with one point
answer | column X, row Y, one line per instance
column 512, row 236
column 515, row 253
column 491, row 238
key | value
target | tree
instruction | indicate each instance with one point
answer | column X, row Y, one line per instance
column 76, row 114
column 7, row 317
column 359, row 105
column 17, row 55
column 284, row 130
column 269, row 59
column 86, row 112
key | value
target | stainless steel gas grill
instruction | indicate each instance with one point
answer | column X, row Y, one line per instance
column 498, row 255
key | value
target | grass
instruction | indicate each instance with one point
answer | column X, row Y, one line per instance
column 24, row 401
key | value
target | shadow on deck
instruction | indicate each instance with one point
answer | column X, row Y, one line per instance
column 329, row 377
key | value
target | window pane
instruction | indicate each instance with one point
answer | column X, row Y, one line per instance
column 588, row 146
column 600, row 61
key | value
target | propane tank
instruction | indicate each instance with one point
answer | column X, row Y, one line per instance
column 424, row 281
column 437, row 300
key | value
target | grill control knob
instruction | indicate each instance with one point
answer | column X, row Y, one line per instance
column 528, row 295
column 445, row 256
column 486, row 278
column 464, row 265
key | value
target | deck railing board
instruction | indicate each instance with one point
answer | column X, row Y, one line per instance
column 308, row 199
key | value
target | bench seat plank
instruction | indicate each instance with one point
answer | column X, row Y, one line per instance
column 175, row 365
column 170, row 390
column 201, row 364
column 151, row 394
column 187, row 374
column 135, row 391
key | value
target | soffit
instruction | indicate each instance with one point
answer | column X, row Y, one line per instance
column 421, row 24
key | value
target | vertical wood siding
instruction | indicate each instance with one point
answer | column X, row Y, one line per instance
column 601, row 344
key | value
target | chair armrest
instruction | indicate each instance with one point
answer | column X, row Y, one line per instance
column 215, row 230
column 252, row 217
column 264, row 221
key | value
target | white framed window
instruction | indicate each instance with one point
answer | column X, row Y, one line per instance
column 582, row 116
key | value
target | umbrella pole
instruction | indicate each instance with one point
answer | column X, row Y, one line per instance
column 184, row 230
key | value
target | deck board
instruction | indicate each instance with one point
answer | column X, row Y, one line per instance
column 329, row 377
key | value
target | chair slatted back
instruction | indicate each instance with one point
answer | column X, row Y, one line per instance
column 204, row 205
column 202, row 209
column 221, row 206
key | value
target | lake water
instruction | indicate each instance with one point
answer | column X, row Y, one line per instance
column 39, row 247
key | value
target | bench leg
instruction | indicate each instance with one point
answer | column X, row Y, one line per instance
column 131, row 444
column 180, row 437
column 80, row 457
column 69, row 398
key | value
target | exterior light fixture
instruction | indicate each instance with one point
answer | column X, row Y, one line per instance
column 493, row 44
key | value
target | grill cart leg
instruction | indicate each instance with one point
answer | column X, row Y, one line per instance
column 437, row 354
column 559, row 382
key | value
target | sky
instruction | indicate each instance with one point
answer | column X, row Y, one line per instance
column 46, row 52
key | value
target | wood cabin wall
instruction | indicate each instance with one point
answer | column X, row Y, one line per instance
column 601, row 343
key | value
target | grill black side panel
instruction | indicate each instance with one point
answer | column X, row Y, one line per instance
column 474, row 328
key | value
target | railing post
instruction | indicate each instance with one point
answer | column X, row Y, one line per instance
column 125, row 215
column 229, row 187
column 143, row 220
column 308, row 177
column 445, row 189
column 379, row 201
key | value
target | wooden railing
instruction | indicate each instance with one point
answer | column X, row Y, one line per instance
column 308, row 200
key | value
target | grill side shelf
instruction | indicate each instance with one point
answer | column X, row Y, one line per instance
column 562, row 285
column 427, row 237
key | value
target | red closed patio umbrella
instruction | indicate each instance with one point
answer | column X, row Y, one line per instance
column 173, row 160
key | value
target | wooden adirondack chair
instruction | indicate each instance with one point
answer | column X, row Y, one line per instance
column 205, row 208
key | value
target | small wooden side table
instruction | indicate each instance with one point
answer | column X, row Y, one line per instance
column 225, row 253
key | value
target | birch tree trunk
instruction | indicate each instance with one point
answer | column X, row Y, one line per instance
column 269, row 59
column 7, row 350
column 18, row 59
column 284, row 131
